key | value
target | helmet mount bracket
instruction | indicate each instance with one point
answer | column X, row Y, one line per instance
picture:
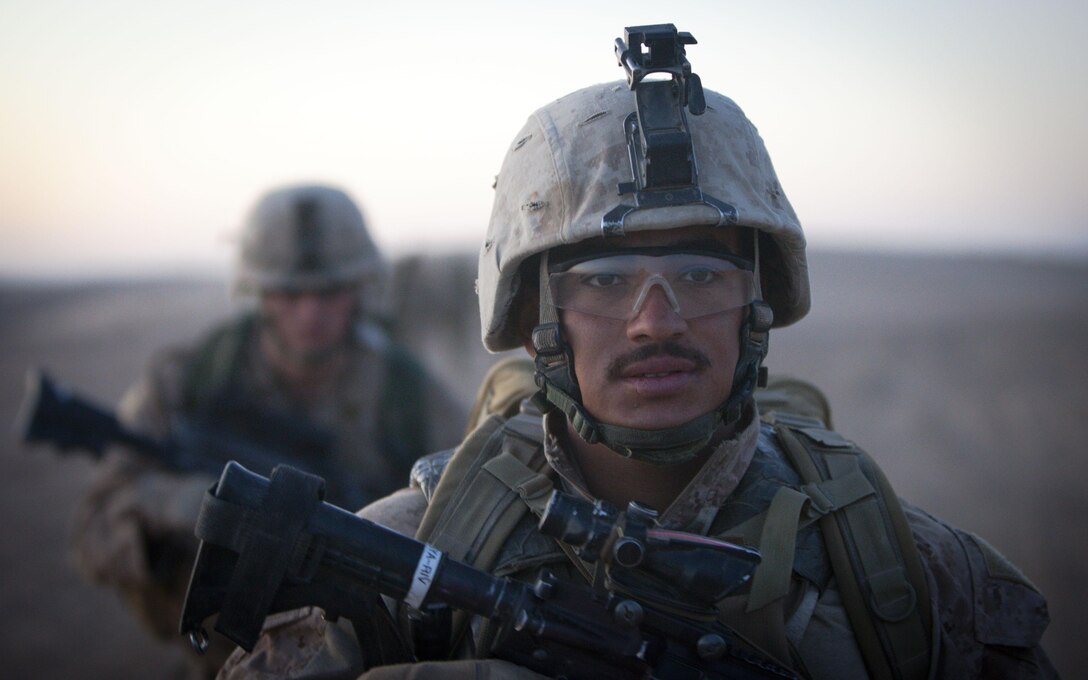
column 663, row 165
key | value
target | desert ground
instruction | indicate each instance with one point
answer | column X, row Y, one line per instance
column 966, row 378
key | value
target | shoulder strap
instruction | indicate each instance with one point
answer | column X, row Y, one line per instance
column 490, row 483
column 492, row 480
column 872, row 551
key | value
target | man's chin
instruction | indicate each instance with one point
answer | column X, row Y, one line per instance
column 657, row 420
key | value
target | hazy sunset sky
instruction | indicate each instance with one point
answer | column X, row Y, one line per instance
column 134, row 135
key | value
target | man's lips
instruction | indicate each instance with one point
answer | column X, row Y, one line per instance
column 659, row 371
column 657, row 367
column 669, row 357
column 660, row 384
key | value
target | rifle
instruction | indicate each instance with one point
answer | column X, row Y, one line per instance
column 273, row 545
column 52, row 413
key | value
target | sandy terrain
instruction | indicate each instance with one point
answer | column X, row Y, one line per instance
column 967, row 379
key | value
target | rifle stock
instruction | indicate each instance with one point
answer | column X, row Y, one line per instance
column 273, row 545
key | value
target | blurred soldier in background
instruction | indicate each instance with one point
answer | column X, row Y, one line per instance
column 309, row 376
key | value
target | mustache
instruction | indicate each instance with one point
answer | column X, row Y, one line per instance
column 663, row 349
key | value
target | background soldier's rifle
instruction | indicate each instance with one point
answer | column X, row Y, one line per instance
column 274, row 545
column 52, row 413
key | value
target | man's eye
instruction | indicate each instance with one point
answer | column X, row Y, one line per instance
column 699, row 276
column 602, row 280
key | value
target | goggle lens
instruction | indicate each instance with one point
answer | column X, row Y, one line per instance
column 616, row 287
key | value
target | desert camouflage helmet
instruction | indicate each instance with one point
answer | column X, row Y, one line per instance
column 560, row 177
column 304, row 238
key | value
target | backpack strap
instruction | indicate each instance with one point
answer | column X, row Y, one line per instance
column 495, row 477
column 872, row 551
column 490, row 483
column 792, row 510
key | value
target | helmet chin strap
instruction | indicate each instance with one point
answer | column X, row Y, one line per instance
column 669, row 446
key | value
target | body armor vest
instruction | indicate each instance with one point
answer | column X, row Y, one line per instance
column 484, row 500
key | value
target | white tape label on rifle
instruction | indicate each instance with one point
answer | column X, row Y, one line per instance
column 424, row 576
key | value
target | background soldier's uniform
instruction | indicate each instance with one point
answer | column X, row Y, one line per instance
column 134, row 529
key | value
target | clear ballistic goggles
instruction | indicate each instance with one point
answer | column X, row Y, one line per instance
column 617, row 286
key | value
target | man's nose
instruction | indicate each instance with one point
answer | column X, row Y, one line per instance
column 656, row 316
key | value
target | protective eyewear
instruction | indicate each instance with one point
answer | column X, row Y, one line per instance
column 616, row 287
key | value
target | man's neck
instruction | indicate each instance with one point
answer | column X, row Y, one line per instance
column 619, row 480
column 305, row 377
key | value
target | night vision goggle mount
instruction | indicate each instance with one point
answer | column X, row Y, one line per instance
column 663, row 166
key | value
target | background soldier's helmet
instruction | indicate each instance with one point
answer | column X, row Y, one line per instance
column 560, row 177
column 306, row 238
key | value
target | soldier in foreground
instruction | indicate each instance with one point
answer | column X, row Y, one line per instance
column 640, row 248
column 308, row 377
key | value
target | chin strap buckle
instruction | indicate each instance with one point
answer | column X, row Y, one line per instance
column 548, row 343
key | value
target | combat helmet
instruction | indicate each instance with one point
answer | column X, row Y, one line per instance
column 308, row 237
column 645, row 154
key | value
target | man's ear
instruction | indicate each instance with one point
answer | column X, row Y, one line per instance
column 527, row 321
column 528, row 318
column 528, row 303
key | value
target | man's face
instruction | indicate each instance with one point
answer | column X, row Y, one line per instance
column 656, row 369
column 310, row 325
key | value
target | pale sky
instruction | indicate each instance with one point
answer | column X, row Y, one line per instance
column 134, row 134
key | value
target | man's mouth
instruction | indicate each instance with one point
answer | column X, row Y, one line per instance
column 658, row 383
column 657, row 361
column 658, row 367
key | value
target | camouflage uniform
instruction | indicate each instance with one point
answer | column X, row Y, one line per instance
column 988, row 616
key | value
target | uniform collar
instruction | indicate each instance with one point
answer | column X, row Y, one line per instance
column 709, row 488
